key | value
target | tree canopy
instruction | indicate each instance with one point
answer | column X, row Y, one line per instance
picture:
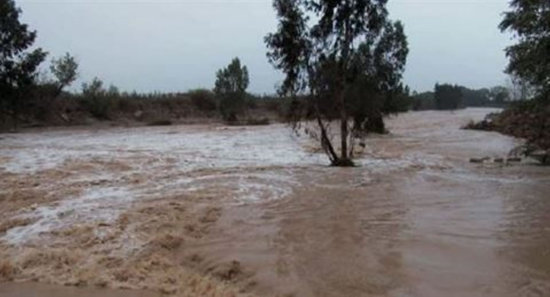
column 18, row 67
column 448, row 97
column 530, row 57
column 231, row 85
column 65, row 70
column 232, row 79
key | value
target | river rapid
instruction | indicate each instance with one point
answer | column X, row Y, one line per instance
column 218, row 211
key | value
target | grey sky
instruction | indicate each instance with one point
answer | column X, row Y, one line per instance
column 179, row 44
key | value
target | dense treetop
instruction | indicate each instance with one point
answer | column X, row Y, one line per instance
column 530, row 57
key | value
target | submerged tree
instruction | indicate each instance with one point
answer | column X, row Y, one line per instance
column 18, row 68
column 530, row 57
column 343, row 58
column 231, row 84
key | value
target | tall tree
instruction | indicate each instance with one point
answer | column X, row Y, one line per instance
column 231, row 84
column 18, row 68
column 530, row 57
column 530, row 64
column 331, row 51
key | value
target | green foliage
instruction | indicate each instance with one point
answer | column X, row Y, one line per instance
column 529, row 59
column 399, row 100
column 476, row 98
column 423, row 101
column 93, row 89
column 530, row 66
column 18, row 68
column 95, row 100
column 290, row 46
column 499, row 95
column 377, row 90
column 232, row 106
column 448, row 97
column 232, row 79
column 203, row 100
column 257, row 122
column 346, row 54
column 65, row 70
column 231, row 84
column 113, row 91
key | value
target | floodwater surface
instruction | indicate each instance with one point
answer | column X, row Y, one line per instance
column 215, row 211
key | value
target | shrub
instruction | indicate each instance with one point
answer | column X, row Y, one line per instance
column 125, row 104
column 203, row 100
column 97, row 106
column 258, row 122
column 232, row 105
column 160, row 122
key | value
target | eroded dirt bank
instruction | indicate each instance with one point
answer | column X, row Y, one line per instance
column 214, row 211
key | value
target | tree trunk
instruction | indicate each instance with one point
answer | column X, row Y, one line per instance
column 344, row 160
column 325, row 140
column 344, row 136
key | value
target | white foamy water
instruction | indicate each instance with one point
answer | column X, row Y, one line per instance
column 247, row 164
column 100, row 205
column 163, row 155
column 192, row 147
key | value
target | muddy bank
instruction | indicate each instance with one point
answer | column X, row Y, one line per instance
column 212, row 211
column 529, row 120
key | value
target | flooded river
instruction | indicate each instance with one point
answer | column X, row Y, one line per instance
column 216, row 211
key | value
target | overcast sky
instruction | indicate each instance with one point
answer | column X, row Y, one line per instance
column 176, row 45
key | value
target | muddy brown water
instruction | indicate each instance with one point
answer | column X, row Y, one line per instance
column 42, row 290
column 416, row 219
column 439, row 227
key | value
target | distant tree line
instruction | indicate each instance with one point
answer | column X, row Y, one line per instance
column 450, row 97
column 371, row 83
column 39, row 98
column 32, row 97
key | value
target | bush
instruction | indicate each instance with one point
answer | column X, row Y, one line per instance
column 232, row 105
column 448, row 97
column 97, row 106
column 41, row 101
column 203, row 100
column 252, row 101
column 125, row 104
column 257, row 122
column 160, row 122
column 274, row 104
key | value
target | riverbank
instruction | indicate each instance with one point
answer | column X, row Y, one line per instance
column 529, row 120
